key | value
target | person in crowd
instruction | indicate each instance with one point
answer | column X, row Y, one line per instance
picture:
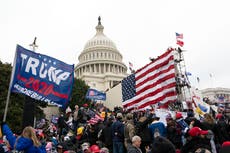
column 143, row 131
column 4, row 145
column 182, row 126
column 104, row 150
column 223, row 132
column 157, row 128
column 225, row 148
column 129, row 130
column 75, row 117
column 191, row 118
column 196, row 139
column 208, row 123
column 174, row 134
column 118, row 134
column 106, row 134
column 85, row 148
column 202, row 150
column 27, row 142
column 69, row 118
column 61, row 125
column 135, row 147
column 95, row 149
column 162, row 145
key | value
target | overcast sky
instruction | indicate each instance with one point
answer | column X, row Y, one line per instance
column 140, row 29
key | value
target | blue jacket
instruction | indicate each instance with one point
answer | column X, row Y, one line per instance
column 118, row 131
column 22, row 143
column 157, row 125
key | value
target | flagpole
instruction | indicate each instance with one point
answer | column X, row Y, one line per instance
column 9, row 89
column 34, row 46
column 212, row 81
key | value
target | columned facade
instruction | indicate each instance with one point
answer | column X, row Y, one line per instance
column 100, row 63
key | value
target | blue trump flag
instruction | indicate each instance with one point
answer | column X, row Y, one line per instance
column 94, row 94
column 42, row 77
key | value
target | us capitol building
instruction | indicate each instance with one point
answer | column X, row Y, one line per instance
column 100, row 63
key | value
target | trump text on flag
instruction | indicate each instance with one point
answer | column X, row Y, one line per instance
column 42, row 77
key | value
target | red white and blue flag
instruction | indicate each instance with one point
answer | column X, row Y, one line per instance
column 42, row 77
column 130, row 65
column 95, row 119
column 180, row 43
column 153, row 84
column 179, row 36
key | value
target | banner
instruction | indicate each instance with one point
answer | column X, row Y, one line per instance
column 42, row 77
column 94, row 94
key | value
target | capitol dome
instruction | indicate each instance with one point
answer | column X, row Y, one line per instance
column 99, row 40
column 100, row 63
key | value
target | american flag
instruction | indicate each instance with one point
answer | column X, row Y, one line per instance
column 152, row 84
column 130, row 65
column 95, row 119
column 180, row 43
column 179, row 36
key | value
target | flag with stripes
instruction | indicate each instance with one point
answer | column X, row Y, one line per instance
column 95, row 119
column 130, row 65
column 153, row 84
column 179, row 35
column 180, row 43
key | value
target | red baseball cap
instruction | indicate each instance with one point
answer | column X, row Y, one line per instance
column 226, row 143
column 196, row 131
column 178, row 115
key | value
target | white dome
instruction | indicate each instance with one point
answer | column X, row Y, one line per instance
column 100, row 40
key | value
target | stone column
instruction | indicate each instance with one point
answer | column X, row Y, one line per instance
column 99, row 67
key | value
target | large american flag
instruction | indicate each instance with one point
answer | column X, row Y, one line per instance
column 153, row 84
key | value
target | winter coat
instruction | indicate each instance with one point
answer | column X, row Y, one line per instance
column 174, row 134
column 129, row 132
column 157, row 125
column 106, row 135
column 118, row 131
column 222, row 131
column 133, row 149
column 162, row 145
column 22, row 143
column 195, row 143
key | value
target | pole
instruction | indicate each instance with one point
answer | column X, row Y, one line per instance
column 29, row 105
column 9, row 89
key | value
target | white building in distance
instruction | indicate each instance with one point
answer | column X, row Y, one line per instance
column 100, row 63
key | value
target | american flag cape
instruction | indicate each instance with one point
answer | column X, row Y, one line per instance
column 153, row 84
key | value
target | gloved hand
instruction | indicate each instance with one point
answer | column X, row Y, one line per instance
column 2, row 123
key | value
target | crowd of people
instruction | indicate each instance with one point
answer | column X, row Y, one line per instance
column 96, row 129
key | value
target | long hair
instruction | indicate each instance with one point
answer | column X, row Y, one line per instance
column 208, row 118
column 29, row 132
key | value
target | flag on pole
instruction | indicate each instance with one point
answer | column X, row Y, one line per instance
column 188, row 73
column 152, row 84
column 42, row 77
column 180, row 43
column 198, row 79
column 179, row 36
column 130, row 65
column 210, row 75
column 94, row 94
